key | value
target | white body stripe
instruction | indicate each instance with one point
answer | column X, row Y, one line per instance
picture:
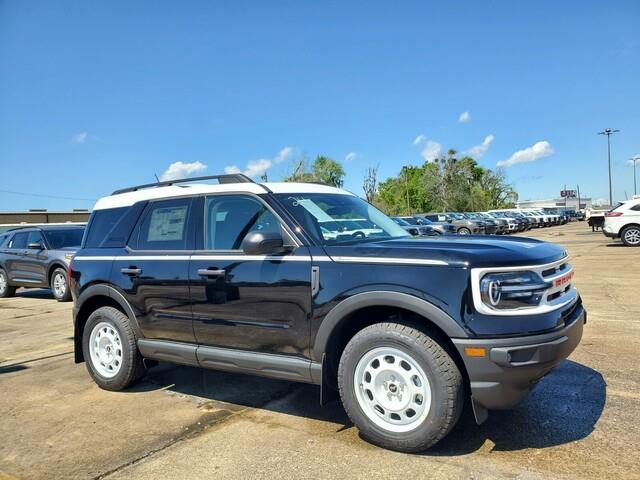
column 271, row 258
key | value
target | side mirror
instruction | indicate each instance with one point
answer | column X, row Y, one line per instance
column 264, row 243
column 35, row 246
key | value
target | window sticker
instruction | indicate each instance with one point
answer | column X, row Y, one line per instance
column 167, row 224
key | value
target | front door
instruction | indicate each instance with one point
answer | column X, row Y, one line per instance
column 153, row 272
column 249, row 302
column 34, row 261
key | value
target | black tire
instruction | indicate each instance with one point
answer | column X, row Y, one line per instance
column 444, row 378
column 630, row 236
column 64, row 294
column 6, row 290
column 132, row 367
column 464, row 231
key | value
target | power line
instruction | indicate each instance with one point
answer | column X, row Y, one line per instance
column 28, row 194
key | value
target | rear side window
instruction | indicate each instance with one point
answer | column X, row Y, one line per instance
column 636, row 208
column 165, row 225
column 19, row 241
column 101, row 224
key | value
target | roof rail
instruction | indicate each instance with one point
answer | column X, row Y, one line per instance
column 228, row 178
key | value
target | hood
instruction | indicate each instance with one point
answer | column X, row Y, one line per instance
column 458, row 251
column 68, row 249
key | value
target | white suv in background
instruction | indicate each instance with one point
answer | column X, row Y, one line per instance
column 623, row 222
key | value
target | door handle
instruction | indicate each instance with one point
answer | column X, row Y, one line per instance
column 133, row 271
column 209, row 272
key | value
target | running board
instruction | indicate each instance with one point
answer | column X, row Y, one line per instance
column 230, row 360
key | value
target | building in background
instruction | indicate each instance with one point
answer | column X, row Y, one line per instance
column 570, row 202
column 9, row 220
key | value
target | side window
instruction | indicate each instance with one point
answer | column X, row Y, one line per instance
column 19, row 241
column 229, row 218
column 165, row 225
column 636, row 208
column 35, row 237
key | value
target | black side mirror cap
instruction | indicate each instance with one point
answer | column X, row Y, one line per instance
column 264, row 243
column 35, row 246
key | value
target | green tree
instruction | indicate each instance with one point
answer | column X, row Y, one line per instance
column 323, row 170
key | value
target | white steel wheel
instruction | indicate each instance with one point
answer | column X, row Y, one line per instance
column 59, row 285
column 392, row 389
column 105, row 348
column 631, row 236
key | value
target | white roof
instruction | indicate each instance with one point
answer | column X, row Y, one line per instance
column 129, row 198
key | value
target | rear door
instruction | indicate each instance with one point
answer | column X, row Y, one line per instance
column 249, row 302
column 153, row 272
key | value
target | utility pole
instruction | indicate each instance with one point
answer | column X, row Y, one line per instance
column 634, row 162
column 406, row 185
column 578, row 198
column 608, row 132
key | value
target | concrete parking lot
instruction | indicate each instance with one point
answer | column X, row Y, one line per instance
column 581, row 421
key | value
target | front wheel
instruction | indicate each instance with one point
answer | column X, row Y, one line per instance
column 60, row 285
column 110, row 350
column 464, row 231
column 400, row 387
column 631, row 236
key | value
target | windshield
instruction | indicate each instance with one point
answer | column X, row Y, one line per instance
column 410, row 220
column 457, row 216
column 65, row 237
column 401, row 222
column 336, row 219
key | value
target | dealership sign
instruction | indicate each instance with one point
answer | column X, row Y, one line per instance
column 568, row 193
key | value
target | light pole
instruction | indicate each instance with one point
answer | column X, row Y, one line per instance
column 634, row 162
column 608, row 132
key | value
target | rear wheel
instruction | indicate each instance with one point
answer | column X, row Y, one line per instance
column 399, row 387
column 110, row 351
column 6, row 290
column 464, row 231
column 631, row 236
column 60, row 285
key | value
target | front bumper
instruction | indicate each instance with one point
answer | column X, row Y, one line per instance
column 512, row 366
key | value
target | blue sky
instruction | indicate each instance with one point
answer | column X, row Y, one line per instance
column 100, row 95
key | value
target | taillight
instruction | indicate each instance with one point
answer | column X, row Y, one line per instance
column 613, row 214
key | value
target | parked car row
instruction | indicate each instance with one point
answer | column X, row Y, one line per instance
column 493, row 222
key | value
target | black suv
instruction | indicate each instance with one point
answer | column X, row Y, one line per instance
column 38, row 257
column 262, row 279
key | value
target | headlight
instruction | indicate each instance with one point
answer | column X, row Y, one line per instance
column 512, row 290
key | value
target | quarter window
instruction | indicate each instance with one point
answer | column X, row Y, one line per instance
column 165, row 226
column 230, row 218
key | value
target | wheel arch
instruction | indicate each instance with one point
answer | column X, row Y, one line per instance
column 364, row 309
column 92, row 298
column 52, row 268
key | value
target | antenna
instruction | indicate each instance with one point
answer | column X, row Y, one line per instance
column 157, row 179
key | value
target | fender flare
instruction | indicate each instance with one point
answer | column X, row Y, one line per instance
column 105, row 291
column 383, row 299
column 51, row 268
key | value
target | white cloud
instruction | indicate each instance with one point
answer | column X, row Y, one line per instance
column 464, row 117
column 635, row 159
column 530, row 154
column 431, row 151
column 257, row 168
column 178, row 170
column 350, row 156
column 480, row 150
column 419, row 139
column 79, row 138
